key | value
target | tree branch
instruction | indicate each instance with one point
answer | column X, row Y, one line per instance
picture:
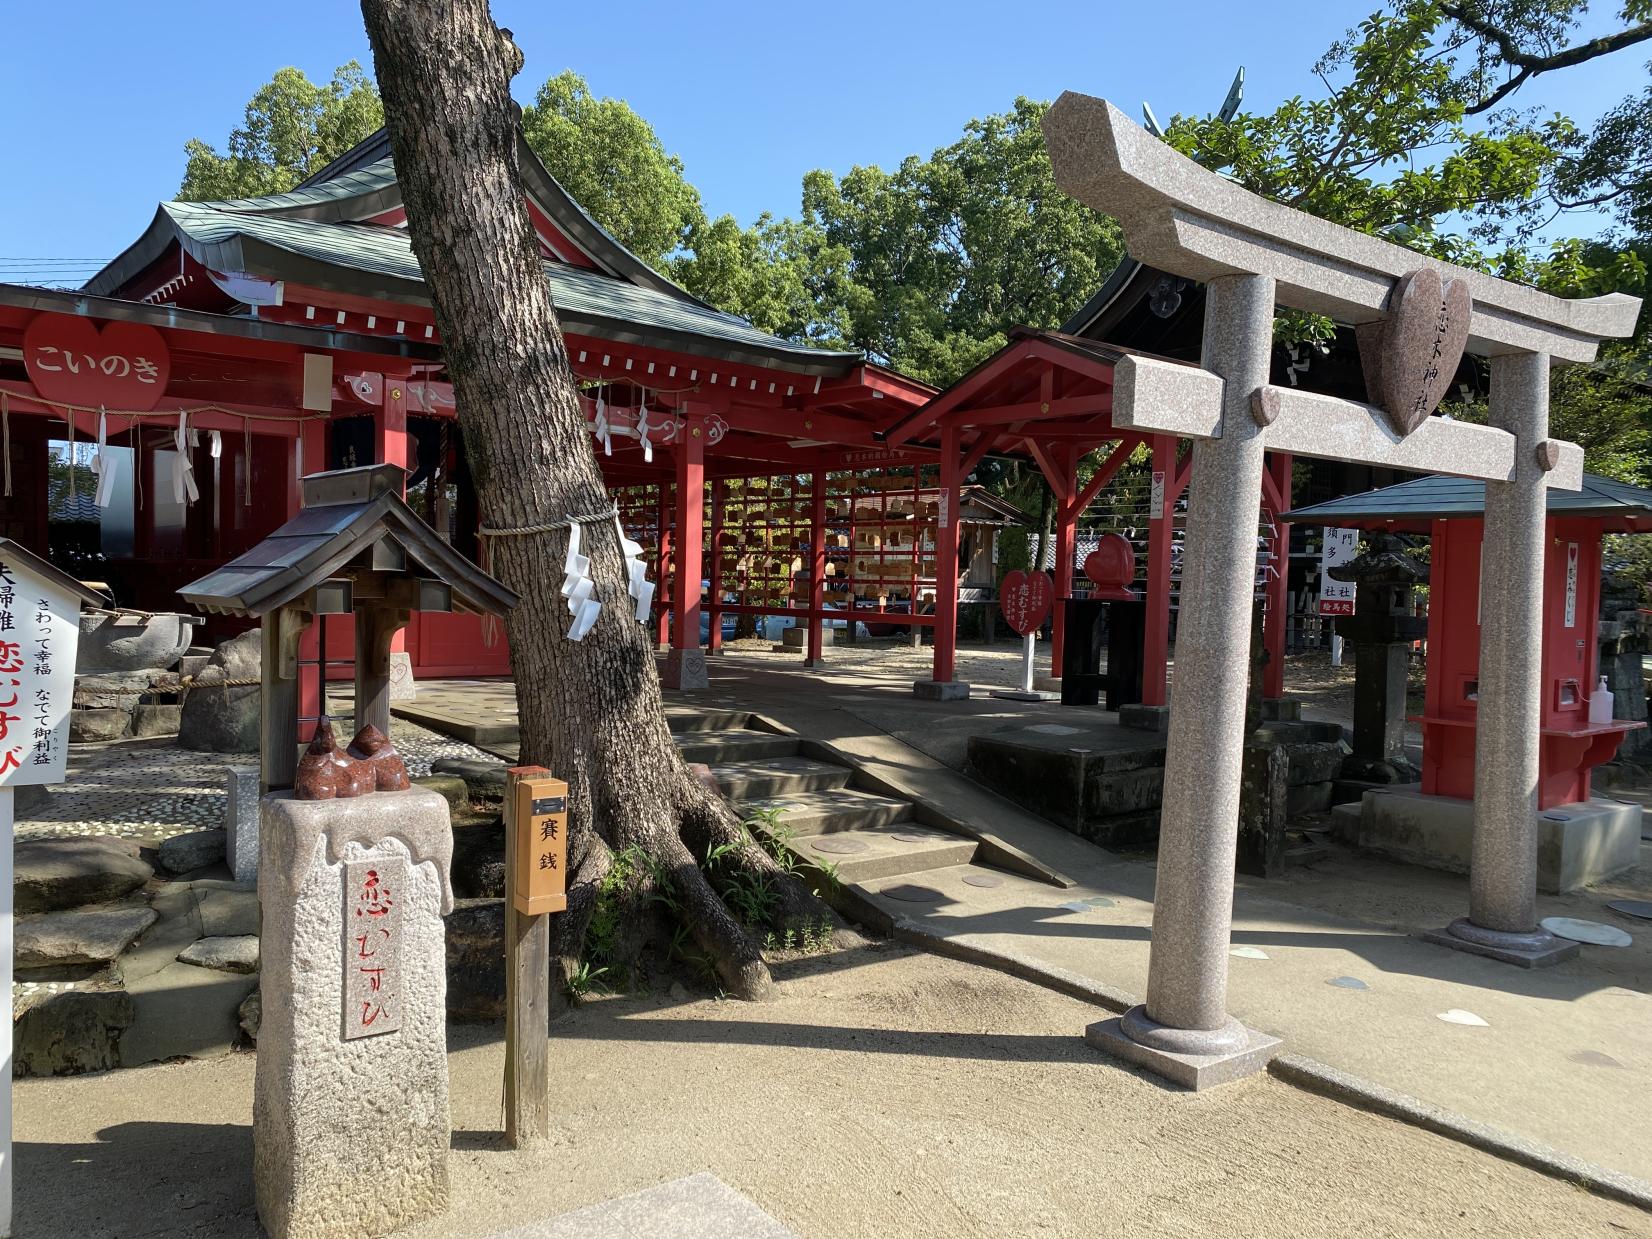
column 1530, row 64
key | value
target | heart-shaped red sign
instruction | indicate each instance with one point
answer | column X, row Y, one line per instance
column 1410, row 356
column 123, row 367
column 1111, row 566
column 1026, row 598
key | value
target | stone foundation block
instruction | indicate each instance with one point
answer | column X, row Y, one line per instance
column 1138, row 717
column 350, row 1106
column 685, row 670
column 939, row 690
column 1191, row 1071
column 241, row 822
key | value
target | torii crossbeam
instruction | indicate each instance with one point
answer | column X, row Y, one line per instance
column 1414, row 317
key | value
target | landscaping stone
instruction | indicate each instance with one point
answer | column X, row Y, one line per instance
column 192, row 850
column 111, row 690
column 97, row 726
column 182, row 1010
column 67, row 873
column 476, row 960
column 486, row 779
column 70, row 1032
column 452, row 788
column 237, row 954
column 241, row 822
column 156, row 720
column 224, row 720
column 80, row 936
column 479, row 860
column 251, row 1013
column 225, row 909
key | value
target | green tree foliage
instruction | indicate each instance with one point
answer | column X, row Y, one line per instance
column 934, row 262
column 614, row 165
column 292, row 129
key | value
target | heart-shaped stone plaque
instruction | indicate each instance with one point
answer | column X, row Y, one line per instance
column 1411, row 355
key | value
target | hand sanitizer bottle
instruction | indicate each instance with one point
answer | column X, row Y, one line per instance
column 1600, row 704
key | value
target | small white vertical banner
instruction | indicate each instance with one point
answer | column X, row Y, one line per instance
column 1155, row 503
column 1571, row 585
column 1339, row 546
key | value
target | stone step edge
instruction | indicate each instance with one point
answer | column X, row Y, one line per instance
column 1308, row 1074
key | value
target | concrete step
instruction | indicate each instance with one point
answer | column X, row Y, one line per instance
column 777, row 776
column 732, row 745
column 822, row 813
column 884, row 851
column 684, row 718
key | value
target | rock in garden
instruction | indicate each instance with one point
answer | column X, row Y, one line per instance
column 217, row 719
column 192, row 850
column 97, row 726
column 157, row 720
column 237, row 954
column 486, row 779
column 452, row 789
column 476, row 961
column 67, row 873
column 80, row 936
column 250, row 1015
column 70, row 1032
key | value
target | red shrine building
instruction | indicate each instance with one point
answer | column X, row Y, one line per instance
column 237, row 346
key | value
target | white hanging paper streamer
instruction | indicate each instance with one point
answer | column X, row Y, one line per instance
column 577, row 588
column 298, row 456
column 637, row 582
column 643, row 431
column 183, row 472
column 215, row 444
column 602, row 429
column 103, row 465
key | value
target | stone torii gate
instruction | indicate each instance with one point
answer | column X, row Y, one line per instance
column 1414, row 318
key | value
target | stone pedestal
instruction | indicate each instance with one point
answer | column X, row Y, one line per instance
column 684, row 669
column 350, row 1109
column 241, row 822
column 940, row 690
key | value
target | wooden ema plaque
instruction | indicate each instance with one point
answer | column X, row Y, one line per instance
column 539, row 826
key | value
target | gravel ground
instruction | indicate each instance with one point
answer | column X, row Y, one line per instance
column 884, row 1093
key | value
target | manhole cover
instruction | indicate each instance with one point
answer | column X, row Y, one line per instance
column 1641, row 908
column 1054, row 729
column 1592, row 932
column 1348, row 983
column 982, row 879
column 841, row 847
column 913, row 894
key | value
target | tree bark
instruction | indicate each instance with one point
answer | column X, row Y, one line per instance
column 590, row 710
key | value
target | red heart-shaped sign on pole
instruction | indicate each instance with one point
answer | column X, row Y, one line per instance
column 123, row 367
column 1026, row 598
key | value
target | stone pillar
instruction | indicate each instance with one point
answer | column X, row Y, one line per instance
column 241, row 822
column 1184, row 1031
column 350, row 1105
column 1502, row 918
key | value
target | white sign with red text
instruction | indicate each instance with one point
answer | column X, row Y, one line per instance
column 39, row 630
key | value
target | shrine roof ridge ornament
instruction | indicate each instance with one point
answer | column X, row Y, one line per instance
column 1188, row 220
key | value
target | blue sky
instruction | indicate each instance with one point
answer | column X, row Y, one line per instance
column 99, row 98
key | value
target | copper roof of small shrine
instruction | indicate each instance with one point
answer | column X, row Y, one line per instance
column 347, row 513
column 1415, row 504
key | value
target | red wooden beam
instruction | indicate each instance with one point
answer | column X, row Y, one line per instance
column 1030, row 410
column 1105, row 474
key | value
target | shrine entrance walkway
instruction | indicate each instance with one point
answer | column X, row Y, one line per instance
column 1323, row 958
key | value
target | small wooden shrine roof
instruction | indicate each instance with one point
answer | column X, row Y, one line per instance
column 1413, row 506
column 351, row 518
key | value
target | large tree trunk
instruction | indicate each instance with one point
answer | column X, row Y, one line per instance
column 590, row 710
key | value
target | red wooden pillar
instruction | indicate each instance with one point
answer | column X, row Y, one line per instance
column 1160, row 527
column 817, row 568
column 714, row 569
column 1274, row 618
column 1066, row 548
column 946, row 565
column 390, row 447
column 685, row 665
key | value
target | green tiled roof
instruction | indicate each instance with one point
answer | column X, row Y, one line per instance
column 1420, row 500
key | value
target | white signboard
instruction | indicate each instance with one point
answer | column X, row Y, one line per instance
column 1337, row 548
column 1155, row 503
column 1571, row 585
column 39, row 629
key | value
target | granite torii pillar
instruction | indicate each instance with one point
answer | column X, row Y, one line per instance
column 1415, row 317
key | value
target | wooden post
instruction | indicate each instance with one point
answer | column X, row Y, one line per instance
column 1274, row 618
column 946, row 560
column 278, row 696
column 817, row 569
column 377, row 625
column 1160, row 528
column 536, row 826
